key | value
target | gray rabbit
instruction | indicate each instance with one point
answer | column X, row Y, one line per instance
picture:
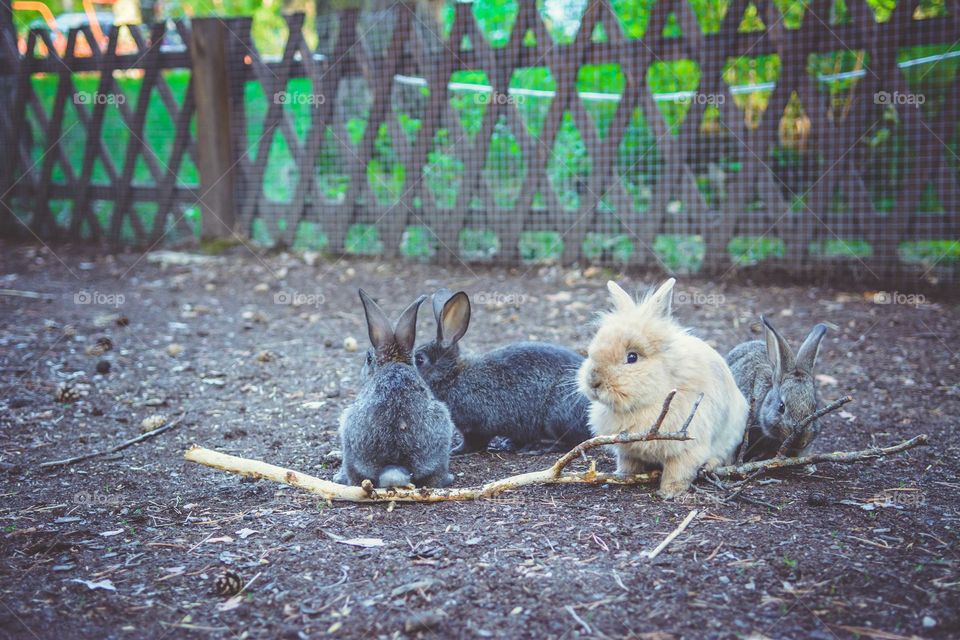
column 780, row 388
column 524, row 391
column 395, row 433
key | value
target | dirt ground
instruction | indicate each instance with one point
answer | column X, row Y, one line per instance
column 248, row 350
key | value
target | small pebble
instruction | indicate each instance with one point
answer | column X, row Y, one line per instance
column 174, row 349
column 929, row 622
column 286, row 536
column 350, row 344
column 103, row 367
column 152, row 423
column 423, row 621
column 817, row 500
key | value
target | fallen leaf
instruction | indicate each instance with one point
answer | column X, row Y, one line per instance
column 221, row 539
column 824, row 379
column 108, row 534
column 245, row 533
column 106, row 585
column 366, row 543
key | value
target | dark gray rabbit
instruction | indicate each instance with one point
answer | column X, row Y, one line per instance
column 780, row 388
column 525, row 392
column 395, row 433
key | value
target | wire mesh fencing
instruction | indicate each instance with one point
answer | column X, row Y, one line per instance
column 694, row 137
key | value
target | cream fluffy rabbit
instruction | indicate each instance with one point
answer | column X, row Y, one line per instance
column 638, row 355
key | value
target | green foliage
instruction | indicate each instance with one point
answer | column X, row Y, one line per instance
column 931, row 252
column 536, row 246
column 887, row 159
column 750, row 250
column 679, row 253
column 837, row 247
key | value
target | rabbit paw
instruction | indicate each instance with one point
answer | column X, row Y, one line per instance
column 341, row 477
column 672, row 490
column 676, row 479
column 712, row 464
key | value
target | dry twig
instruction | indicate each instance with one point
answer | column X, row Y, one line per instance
column 791, row 441
column 554, row 474
column 673, row 534
column 367, row 493
column 113, row 449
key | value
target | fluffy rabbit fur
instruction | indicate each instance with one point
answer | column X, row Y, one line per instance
column 525, row 391
column 638, row 355
column 780, row 387
column 395, row 433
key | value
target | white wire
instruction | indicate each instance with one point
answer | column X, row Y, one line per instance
column 674, row 96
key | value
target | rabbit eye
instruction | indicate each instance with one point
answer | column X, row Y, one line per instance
column 632, row 357
column 781, row 408
column 419, row 359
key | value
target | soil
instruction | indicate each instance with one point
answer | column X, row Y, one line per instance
column 248, row 350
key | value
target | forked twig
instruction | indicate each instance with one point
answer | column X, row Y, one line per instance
column 367, row 493
column 791, row 441
column 552, row 475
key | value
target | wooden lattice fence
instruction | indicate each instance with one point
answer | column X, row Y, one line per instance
column 828, row 196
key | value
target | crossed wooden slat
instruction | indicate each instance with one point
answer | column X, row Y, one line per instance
column 444, row 224
column 926, row 142
column 80, row 187
column 499, row 72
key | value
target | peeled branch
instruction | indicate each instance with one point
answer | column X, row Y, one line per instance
column 554, row 474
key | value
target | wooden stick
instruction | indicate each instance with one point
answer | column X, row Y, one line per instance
column 551, row 475
column 118, row 447
column 33, row 295
column 673, row 534
column 744, row 470
column 791, row 440
column 367, row 493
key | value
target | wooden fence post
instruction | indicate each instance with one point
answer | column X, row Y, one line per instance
column 214, row 150
column 9, row 59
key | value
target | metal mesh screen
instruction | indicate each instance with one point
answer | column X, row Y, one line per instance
column 692, row 136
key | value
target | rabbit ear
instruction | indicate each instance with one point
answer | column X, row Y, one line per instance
column 810, row 349
column 378, row 324
column 778, row 351
column 406, row 330
column 439, row 299
column 454, row 319
column 622, row 300
column 662, row 299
